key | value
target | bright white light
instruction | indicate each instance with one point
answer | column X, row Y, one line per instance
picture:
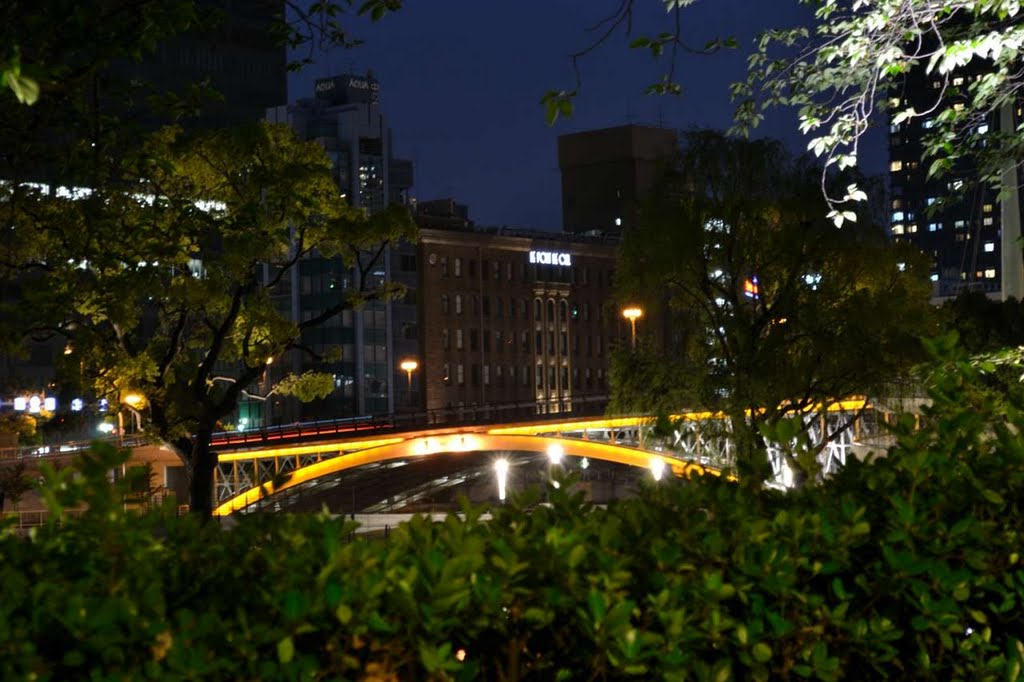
column 34, row 404
column 657, row 468
column 555, row 452
column 584, row 463
column 105, row 427
column 49, row 404
column 77, row 404
column 901, row 266
column 20, row 404
column 618, row 222
column 501, row 469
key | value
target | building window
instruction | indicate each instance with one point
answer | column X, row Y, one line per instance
column 475, row 304
column 551, row 311
column 444, row 304
column 960, row 224
column 446, row 374
column 474, row 339
column 444, row 339
column 487, row 375
column 487, row 340
column 458, row 304
column 498, row 342
column 990, row 273
column 538, row 341
column 444, row 266
column 460, row 374
column 565, row 343
column 458, row 267
column 486, row 302
column 539, row 377
column 990, row 247
column 896, row 166
column 537, row 309
column 930, row 201
column 499, row 306
column 458, row 339
column 474, row 374
column 586, row 312
column 497, row 270
column 508, row 271
column 898, row 228
column 987, row 221
column 987, row 208
column 911, row 228
column 498, row 376
column 524, row 342
column 934, row 227
column 472, row 267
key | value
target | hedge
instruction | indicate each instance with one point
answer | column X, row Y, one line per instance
column 907, row 567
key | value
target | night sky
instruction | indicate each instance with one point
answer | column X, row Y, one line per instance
column 461, row 82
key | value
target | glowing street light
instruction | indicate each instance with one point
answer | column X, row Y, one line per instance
column 657, row 466
column 632, row 313
column 409, row 366
column 501, row 469
column 134, row 401
column 555, row 453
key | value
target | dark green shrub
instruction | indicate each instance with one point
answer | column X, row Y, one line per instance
column 908, row 567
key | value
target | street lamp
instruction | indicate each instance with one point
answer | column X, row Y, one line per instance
column 409, row 366
column 134, row 401
column 632, row 313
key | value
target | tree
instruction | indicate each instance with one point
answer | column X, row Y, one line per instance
column 14, row 483
column 166, row 280
column 771, row 311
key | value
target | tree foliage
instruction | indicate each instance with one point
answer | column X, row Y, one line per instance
column 165, row 280
column 907, row 567
column 835, row 313
column 842, row 73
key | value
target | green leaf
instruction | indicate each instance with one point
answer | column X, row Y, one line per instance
column 285, row 650
column 762, row 652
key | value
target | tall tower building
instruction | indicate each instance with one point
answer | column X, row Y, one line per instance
column 607, row 172
column 343, row 116
column 965, row 233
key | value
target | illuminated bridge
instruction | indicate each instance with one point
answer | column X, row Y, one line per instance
column 365, row 470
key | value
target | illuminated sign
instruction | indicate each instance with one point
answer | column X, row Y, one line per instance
column 550, row 258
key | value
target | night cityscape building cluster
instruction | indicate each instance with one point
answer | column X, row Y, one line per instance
column 491, row 315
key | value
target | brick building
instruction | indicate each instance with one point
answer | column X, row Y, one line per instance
column 517, row 318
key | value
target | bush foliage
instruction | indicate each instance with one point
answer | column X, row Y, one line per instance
column 905, row 567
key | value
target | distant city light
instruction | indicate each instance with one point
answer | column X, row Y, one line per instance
column 77, row 404
column 105, row 427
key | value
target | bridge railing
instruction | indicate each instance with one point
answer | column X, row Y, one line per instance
column 408, row 421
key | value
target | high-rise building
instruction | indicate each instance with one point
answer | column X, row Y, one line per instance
column 343, row 116
column 606, row 174
column 957, row 221
column 237, row 52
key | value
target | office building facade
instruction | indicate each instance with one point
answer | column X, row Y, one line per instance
column 344, row 117
column 513, row 319
column 607, row 173
column 958, row 222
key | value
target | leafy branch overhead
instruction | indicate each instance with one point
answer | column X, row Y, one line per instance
column 848, row 70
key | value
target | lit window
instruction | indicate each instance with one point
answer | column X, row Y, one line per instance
column 958, row 107
column 983, row 128
column 987, row 208
column 897, row 228
column 894, row 102
column 987, row 221
column 911, row 228
column 930, row 201
column 897, row 216
column 934, row 227
column 458, row 267
column 990, row 273
column 618, row 222
column 896, row 166
column 960, row 224
column 990, row 247
column 934, row 277
column 959, row 80
column 927, row 123
column 956, row 185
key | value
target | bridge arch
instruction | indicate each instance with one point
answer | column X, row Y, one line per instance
column 469, row 442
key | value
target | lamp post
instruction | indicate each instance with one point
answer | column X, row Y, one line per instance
column 632, row 313
column 409, row 366
column 134, row 401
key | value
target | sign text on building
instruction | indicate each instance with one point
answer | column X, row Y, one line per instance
column 550, row 258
